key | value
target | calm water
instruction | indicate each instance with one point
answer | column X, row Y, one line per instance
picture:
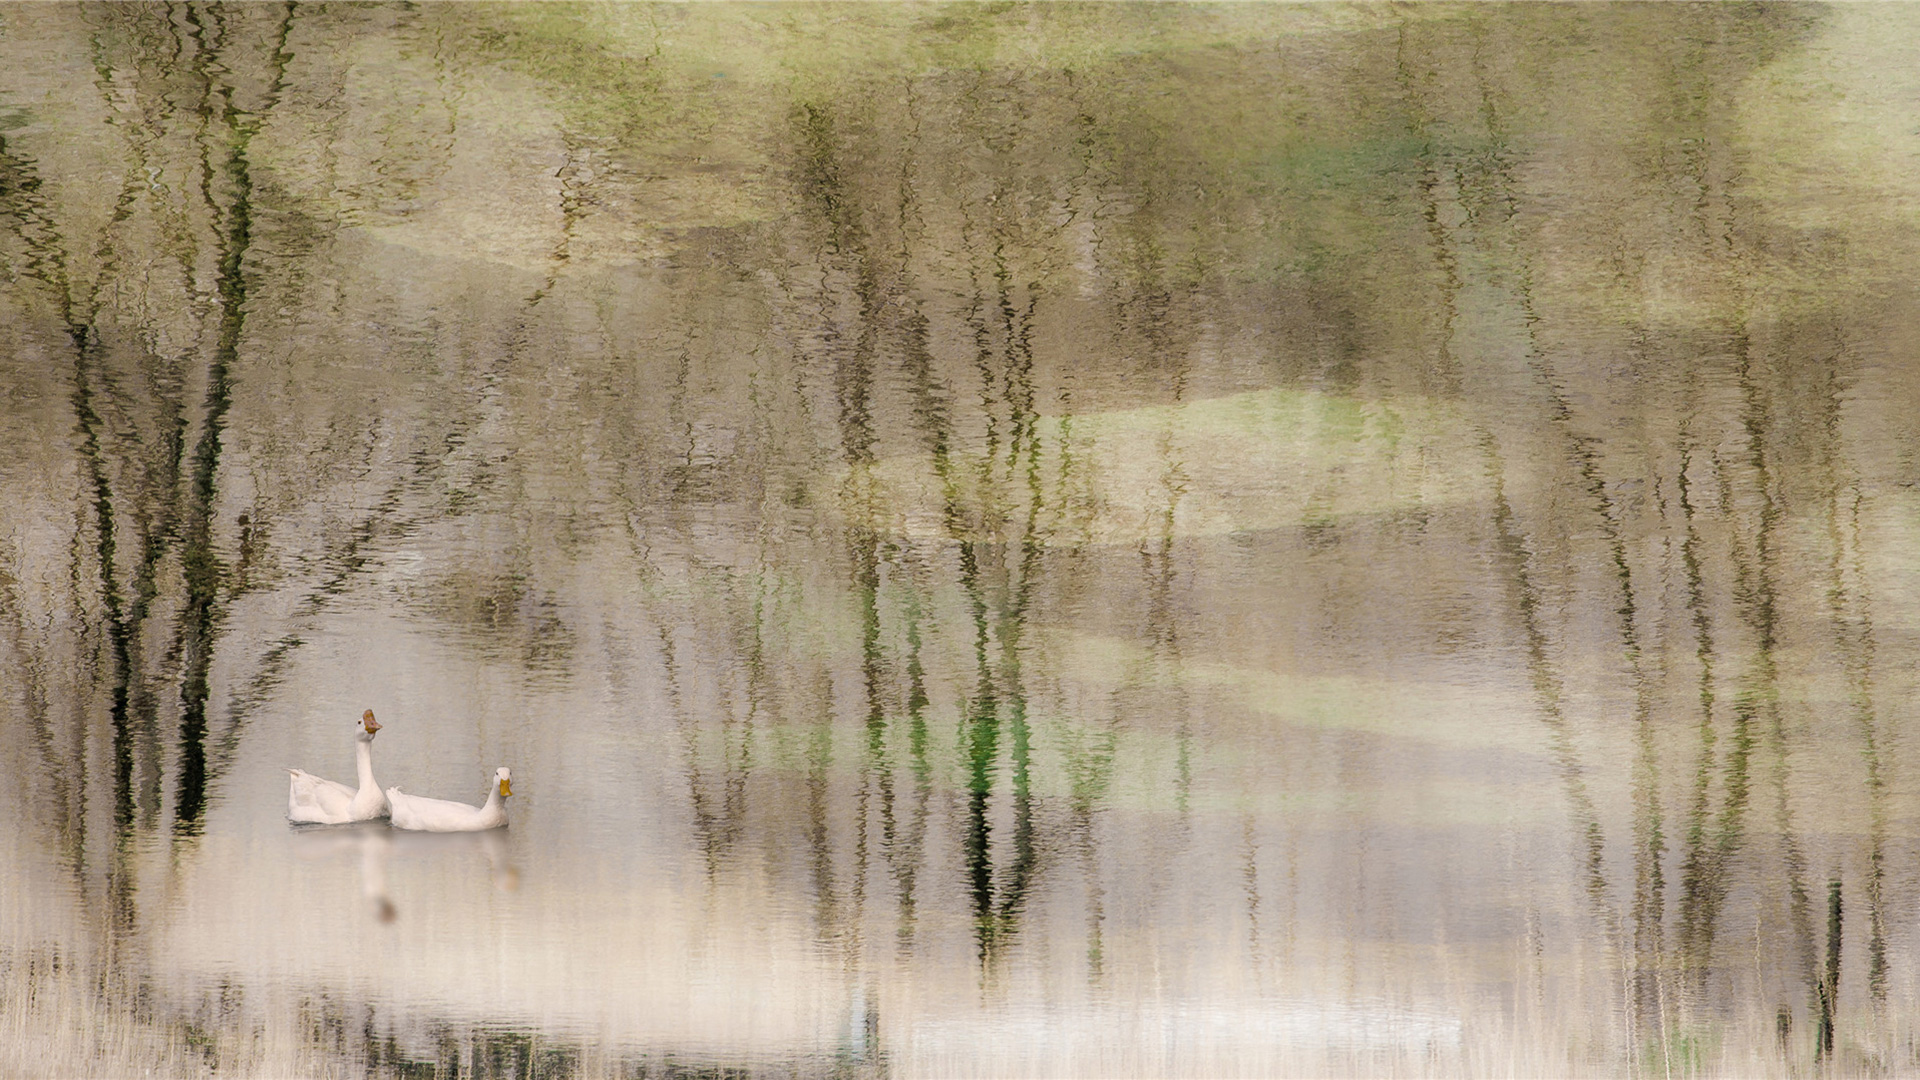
column 995, row 540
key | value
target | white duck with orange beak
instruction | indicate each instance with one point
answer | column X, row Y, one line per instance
column 439, row 815
column 312, row 800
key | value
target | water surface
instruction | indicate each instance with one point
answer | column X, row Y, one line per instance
column 995, row 540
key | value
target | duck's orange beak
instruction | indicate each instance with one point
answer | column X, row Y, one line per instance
column 506, row 788
column 367, row 721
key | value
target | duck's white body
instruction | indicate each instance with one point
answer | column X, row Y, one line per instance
column 315, row 801
column 440, row 815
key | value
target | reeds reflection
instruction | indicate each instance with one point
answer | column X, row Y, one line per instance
column 1050, row 540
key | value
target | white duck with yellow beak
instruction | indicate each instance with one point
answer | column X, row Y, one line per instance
column 311, row 800
column 439, row 815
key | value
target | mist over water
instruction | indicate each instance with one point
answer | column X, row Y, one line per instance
column 995, row 540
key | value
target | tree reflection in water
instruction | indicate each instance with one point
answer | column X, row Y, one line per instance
column 1043, row 540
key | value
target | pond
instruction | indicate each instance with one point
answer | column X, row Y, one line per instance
column 995, row 540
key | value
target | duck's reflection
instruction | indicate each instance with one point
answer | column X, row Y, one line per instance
column 376, row 844
column 375, row 847
column 493, row 845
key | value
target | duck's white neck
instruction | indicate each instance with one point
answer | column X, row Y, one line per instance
column 363, row 758
column 493, row 797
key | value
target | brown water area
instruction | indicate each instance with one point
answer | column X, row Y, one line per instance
column 996, row 540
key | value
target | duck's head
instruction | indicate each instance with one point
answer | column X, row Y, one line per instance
column 368, row 726
column 504, row 776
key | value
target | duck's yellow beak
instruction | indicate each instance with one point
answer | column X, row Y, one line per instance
column 367, row 721
column 506, row 788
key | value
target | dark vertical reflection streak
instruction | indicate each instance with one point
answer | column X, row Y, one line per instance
column 64, row 767
column 46, row 262
column 1250, row 879
column 682, row 489
column 1754, row 586
column 1090, row 773
column 852, row 356
column 1446, row 363
column 904, row 845
column 1878, row 967
column 1850, row 602
column 981, row 734
column 1089, row 752
column 875, row 767
column 982, row 730
column 904, row 850
column 1016, row 324
column 1826, row 992
column 1549, row 692
column 1708, row 887
column 932, row 411
column 738, row 736
column 1003, row 359
column 1713, row 842
column 705, row 826
column 827, row 916
column 1699, row 868
column 1159, row 562
column 1649, row 826
column 200, row 564
column 151, row 503
column 1515, row 559
column 1649, row 962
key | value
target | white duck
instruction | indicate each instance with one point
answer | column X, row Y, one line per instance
column 324, row 802
column 439, row 815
